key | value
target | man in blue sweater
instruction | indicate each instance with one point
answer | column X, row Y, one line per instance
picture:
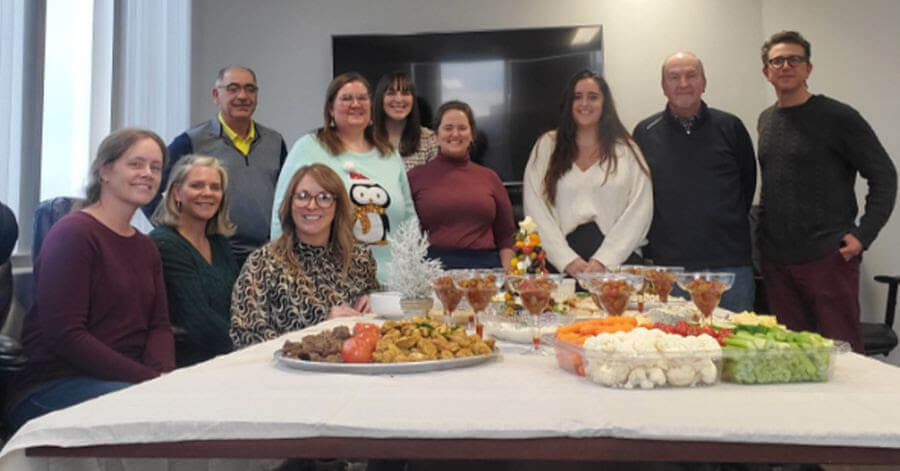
column 251, row 153
column 704, row 176
column 810, row 149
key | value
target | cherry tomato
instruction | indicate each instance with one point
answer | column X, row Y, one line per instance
column 357, row 350
column 367, row 332
column 361, row 327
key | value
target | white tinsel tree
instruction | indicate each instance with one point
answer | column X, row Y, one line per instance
column 411, row 272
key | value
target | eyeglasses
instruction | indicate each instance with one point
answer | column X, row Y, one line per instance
column 235, row 88
column 323, row 199
column 348, row 99
column 794, row 61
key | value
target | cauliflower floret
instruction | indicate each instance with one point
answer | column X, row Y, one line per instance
column 708, row 372
column 636, row 378
column 671, row 343
column 626, row 346
column 656, row 376
column 681, row 375
column 605, row 343
column 707, row 343
column 644, row 340
column 693, row 343
column 607, row 374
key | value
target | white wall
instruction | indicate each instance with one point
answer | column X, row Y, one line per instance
column 288, row 44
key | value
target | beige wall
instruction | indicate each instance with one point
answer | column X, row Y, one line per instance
column 288, row 44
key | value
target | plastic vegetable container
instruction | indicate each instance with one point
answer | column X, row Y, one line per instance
column 641, row 370
column 781, row 365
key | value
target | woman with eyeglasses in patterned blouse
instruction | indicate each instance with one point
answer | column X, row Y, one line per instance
column 313, row 271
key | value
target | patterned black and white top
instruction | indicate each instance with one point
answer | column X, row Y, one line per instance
column 268, row 301
column 428, row 150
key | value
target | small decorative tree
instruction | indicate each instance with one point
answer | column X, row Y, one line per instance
column 411, row 270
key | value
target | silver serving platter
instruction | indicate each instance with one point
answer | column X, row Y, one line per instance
column 383, row 368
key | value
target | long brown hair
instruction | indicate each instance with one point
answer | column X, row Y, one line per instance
column 328, row 133
column 341, row 237
column 609, row 129
column 412, row 129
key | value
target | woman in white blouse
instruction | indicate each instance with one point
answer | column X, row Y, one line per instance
column 587, row 185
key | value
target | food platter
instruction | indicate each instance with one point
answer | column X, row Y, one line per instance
column 383, row 368
column 511, row 332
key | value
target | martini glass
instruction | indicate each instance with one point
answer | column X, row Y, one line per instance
column 535, row 290
column 480, row 287
column 706, row 290
column 641, row 271
column 662, row 279
column 611, row 291
column 446, row 287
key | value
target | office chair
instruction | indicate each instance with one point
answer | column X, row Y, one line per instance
column 879, row 338
column 46, row 215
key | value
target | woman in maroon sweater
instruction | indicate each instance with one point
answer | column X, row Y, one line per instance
column 463, row 206
column 99, row 321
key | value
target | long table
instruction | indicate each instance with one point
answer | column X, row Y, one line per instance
column 522, row 407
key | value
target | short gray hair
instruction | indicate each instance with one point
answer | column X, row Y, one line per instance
column 689, row 54
column 221, row 75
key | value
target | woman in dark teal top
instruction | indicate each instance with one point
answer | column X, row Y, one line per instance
column 198, row 265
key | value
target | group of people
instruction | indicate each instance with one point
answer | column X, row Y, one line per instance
column 253, row 241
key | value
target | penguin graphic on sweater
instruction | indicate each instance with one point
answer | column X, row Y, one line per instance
column 370, row 202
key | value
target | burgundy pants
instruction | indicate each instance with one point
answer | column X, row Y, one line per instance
column 820, row 296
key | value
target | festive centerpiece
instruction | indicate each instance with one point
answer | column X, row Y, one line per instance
column 529, row 256
column 411, row 271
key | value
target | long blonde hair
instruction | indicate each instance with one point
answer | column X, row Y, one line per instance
column 341, row 238
column 169, row 214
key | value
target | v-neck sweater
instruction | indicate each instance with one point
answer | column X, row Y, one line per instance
column 199, row 292
column 621, row 203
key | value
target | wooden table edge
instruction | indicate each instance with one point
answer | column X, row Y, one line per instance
column 556, row 449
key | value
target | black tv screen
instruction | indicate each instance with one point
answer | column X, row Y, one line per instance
column 513, row 79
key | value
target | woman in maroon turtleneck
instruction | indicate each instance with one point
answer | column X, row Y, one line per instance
column 463, row 205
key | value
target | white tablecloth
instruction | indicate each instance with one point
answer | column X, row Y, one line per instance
column 247, row 395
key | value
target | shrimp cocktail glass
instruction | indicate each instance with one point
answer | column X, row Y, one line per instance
column 480, row 287
column 449, row 292
column 706, row 290
column 641, row 271
column 611, row 291
column 662, row 279
column 535, row 290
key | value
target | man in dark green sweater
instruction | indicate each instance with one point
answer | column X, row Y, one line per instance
column 810, row 149
column 704, row 176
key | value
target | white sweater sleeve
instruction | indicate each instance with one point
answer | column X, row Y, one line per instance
column 629, row 231
column 552, row 239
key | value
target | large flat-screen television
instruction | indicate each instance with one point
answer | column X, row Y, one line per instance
column 513, row 79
